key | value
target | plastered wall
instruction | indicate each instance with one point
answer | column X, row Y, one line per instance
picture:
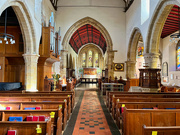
column 109, row 13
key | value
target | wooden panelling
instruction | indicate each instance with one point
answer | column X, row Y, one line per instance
column 2, row 68
column 9, row 49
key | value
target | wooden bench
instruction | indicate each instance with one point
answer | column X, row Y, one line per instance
column 25, row 128
column 134, row 119
column 41, row 99
column 56, row 120
column 139, row 99
column 44, row 94
column 170, row 130
column 43, row 105
column 142, row 95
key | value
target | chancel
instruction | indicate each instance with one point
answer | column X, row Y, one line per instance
column 75, row 67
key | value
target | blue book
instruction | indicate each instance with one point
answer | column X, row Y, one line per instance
column 30, row 108
column 15, row 118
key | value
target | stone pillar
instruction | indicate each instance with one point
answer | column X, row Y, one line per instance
column 63, row 65
column 31, row 71
column 87, row 59
column 93, row 62
column 110, row 64
column 130, row 69
column 151, row 60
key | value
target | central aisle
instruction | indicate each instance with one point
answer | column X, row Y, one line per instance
column 90, row 116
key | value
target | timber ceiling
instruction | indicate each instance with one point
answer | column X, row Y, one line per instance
column 171, row 25
column 87, row 34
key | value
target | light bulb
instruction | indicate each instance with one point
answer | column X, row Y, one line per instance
column 6, row 42
column 170, row 40
column 14, row 41
column 5, row 38
column 176, row 41
column 11, row 40
column 0, row 41
column 173, row 38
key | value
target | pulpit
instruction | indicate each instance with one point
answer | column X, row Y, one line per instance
column 150, row 78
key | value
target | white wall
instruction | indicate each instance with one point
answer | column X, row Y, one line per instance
column 109, row 13
column 133, row 19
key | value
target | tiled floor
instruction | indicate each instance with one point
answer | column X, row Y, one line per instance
column 90, row 115
column 91, row 118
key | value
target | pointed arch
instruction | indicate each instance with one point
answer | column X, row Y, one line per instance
column 26, row 24
column 156, row 24
column 82, row 22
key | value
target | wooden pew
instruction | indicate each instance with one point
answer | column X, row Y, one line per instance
column 170, row 130
column 56, row 121
column 43, row 105
column 25, row 128
column 139, row 99
column 150, row 95
column 134, row 119
column 39, row 94
column 41, row 99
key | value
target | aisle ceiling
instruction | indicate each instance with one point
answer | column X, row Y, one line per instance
column 171, row 25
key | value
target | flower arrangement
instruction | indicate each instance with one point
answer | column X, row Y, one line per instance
column 56, row 78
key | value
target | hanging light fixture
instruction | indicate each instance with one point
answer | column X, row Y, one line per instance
column 6, row 36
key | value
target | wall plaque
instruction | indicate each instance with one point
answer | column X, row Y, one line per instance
column 119, row 67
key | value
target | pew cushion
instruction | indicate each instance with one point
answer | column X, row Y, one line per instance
column 14, row 118
column 30, row 108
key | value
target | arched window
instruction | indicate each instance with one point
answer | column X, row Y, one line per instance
column 84, row 60
column 90, row 64
column 178, row 56
column 96, row 60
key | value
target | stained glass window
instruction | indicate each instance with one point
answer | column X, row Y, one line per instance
column 90, row 59
column 84, row 60
column 178, row 56
column 96, row 60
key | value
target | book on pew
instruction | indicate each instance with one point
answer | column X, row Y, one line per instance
column 41, row 118
column 30, row 108
column 155, row 108
column 38, row 108
column 8, row 108
column 15, row 118
column 35, row 118
column 29, row 118
column 11, row 132
column 170, row 108
column 121, row 109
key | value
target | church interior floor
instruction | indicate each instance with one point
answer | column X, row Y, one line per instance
column 90, row 115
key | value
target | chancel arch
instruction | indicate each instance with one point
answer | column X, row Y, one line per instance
column 102, row 38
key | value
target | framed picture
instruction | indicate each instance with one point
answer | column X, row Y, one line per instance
column 119, row 67
column 165, row 69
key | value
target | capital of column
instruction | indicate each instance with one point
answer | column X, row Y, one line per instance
column 151, row 60
column 31, row 58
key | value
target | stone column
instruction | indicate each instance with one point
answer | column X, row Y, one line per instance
column 87, row 59
column 63, row 65
column 31, row 71
column 93, row 62
column 151, row 60
column 110, row 64
column 130, row 69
